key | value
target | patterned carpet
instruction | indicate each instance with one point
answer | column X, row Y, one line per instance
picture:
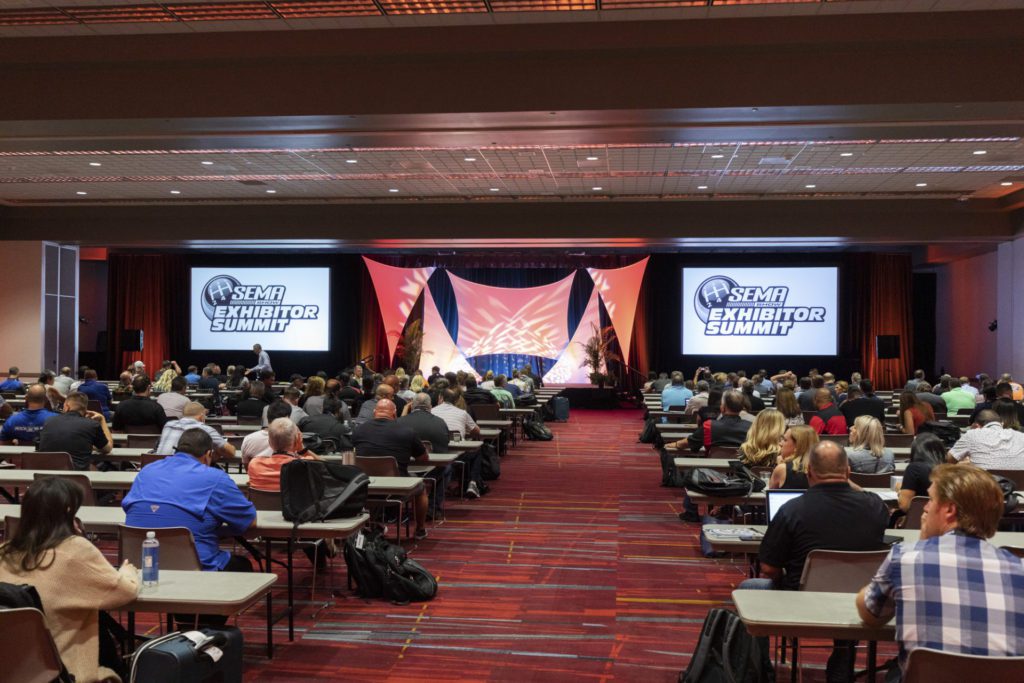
column 574, row 567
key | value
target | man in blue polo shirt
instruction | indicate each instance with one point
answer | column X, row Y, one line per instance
column 12, row 383
column 23, row 428
column 676, row 394
column 96, row 391
column 185, row 490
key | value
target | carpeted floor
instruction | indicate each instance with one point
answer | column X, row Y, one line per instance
column 574, row 567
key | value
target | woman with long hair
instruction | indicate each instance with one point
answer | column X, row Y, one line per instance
column 866, row 451
column 786, row 403
column 927, row 451
column 764, row 439
column 1007, row 411
column 236, row 378
column 73, row 578
column 796, row 446
column 914, row 412
column 313, row 400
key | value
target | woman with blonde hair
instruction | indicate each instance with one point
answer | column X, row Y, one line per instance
column 764, row 439
column 786, row 403
column 313, row 400
column 417, row 384
column 867, row 452
column 791, row 472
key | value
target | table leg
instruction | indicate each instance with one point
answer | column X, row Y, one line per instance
column 872, row 656
column 291, row 594
column 270, row 625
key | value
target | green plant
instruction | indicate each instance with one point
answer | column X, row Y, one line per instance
column 597, row 353
column 410, row 346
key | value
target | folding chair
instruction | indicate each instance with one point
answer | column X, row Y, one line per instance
column 386, row 466
column 82, row 481
column 925, row 665
column 27, row 648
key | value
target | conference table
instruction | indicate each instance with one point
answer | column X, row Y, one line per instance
column 269, row 524
column 757, row 499
column 722, row 464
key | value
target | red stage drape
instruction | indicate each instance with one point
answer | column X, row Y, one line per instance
column 145, row 291
column 882, row 305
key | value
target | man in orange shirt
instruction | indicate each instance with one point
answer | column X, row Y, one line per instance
column 285, row 442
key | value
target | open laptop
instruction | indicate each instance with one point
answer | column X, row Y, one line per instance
column 776, row 498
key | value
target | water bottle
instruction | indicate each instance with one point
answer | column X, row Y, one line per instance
column 150, row 560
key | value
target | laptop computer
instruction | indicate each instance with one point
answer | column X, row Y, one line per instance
column 776, row 498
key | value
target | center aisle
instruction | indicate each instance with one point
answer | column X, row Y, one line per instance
column 573, row 567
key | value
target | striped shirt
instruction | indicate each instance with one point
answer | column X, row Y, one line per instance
column 954, row 592
column 175, row 428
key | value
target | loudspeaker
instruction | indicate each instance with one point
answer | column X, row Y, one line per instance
column 887, row 346
column 131, row 340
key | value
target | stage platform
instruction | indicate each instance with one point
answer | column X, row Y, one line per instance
column 587, row 396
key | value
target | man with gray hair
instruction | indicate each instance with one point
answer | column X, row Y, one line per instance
column 193, row 416
column 700, row 399
column 676, row 394
column 431, row 429
column 285, row 441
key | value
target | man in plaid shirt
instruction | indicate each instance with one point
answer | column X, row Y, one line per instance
column 952, row 590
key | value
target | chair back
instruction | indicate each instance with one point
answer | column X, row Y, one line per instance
column 142, row 429
column 378, row 465
column 27, row 648
column 925, row 665
column 840, row 571
column 82, row 481
column 265, row 500
column 94, row 406
column 729, row 452
column 1016, row 552
column 871, row 481
column 47, row 461
column 177, row 547
column 485, row 411
column 217, row 427
column 914, row 512
column 250, row 420
column 143, row 440
column 841, row 439
column 1016, row 476
column 147, row 458
column 899, row 440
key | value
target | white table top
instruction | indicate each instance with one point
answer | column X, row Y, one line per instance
column 498, row 424
column 722, row 464
column 758, row 498
column 464, row 445
column 220, row 593
column 805, row 614
column 516, row 411
column 732, row 543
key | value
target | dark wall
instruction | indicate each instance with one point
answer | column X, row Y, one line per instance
column 924, row 292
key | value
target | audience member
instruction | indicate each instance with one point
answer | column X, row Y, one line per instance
column 331, row 423
column 174, row 401
column 368, row 407
column 912, row 384
column 123, row 390
column 791, row 472
column 700, row 399
column 764, row 439
column 989, row 445
column 927, row 451
column 285, row 442
column 23, row 428
column 751, row 396
column 1003, row 392
column 185, row 489
column 914, row 412
column 313, row 400
column 64, row 380
column 77, row 431
column 167, row 375
column 291, row 396
column 475, row 395
column 1017, row 391
column 193, row 417
column 49, row 552
column 257, row 444
column 675, row 394
column 957, row 399
column 926, row 395
column 828, row 419
column 139, row 410
column 96, row 391
column 728, row 430
column 459, row 421
column 952, row 590
column 505, row 399
column 13, row 384
column 866, row 451
column 786, row 403
column 210, row 382
column 866, row 403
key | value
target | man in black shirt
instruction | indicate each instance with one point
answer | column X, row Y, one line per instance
column 77, row 431
column 139, row 410
column 383, row 436
column 435, row 374
column 433, row 430
column 328, row 424
column 253, row 404
column 862, row 401
column 1004, row 392
column 832, row 515
column 474, row 395
column 209, row 381
column 728, row 430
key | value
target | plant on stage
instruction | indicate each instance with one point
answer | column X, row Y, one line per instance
column 410, row 346
column 597, row 353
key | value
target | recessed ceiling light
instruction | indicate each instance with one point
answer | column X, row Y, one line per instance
column 921, row 185
column 702, row 187
column 717, row 156
column 81, row 193
column 470, row 159
column 392, row 189
column 597, row 187
column 1006, row 183
column 351, row 161
column 810, row 187
column 495, row 189
column 271, row 191
column 206, row 163
column 175, row 191
column 592, row 158
column 95, row 163
column 846, row 154
column 979, row 152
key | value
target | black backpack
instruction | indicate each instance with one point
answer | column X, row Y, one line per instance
column 314, row 490
column 490, row 462
column 535, row 431
column 380, row 569
column 714, row 483
column 727, row 653
column 945, row 430
column 650, row 432
column 1008, row 487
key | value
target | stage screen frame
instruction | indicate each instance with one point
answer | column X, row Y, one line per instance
column 810, row 281
column 313, row 286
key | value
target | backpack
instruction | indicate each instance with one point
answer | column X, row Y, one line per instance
column 714, row 483
column 649, row 432
column 490, row 462
column 945, row 430
column 535, row 431
column 727, row 653
column 1008, row 487
column 560, row 406
column 380, row 569
column 670, row 474
column 314, row 490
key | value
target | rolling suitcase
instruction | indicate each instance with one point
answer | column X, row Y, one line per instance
column 206, row 656
column 561, row 407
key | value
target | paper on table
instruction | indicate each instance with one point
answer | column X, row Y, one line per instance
column 887, row 495
column 731, row 532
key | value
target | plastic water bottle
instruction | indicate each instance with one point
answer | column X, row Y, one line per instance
column 150, row 560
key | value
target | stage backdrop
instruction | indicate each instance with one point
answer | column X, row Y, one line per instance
column 501, row 328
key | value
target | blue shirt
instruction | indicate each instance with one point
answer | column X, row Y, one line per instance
column 675, row 395
column 181, row 491
column 14, row 385
column 953, row 592
column 25, row 426
column 97, row 391
column 192, row 378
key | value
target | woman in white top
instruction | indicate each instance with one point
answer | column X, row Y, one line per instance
column 867, row 452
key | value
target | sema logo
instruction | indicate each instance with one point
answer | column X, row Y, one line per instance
column 729, row 309
column 234, row 307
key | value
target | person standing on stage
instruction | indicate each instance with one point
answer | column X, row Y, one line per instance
column 263, row 364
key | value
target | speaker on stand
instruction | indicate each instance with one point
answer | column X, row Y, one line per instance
column 887, row 347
